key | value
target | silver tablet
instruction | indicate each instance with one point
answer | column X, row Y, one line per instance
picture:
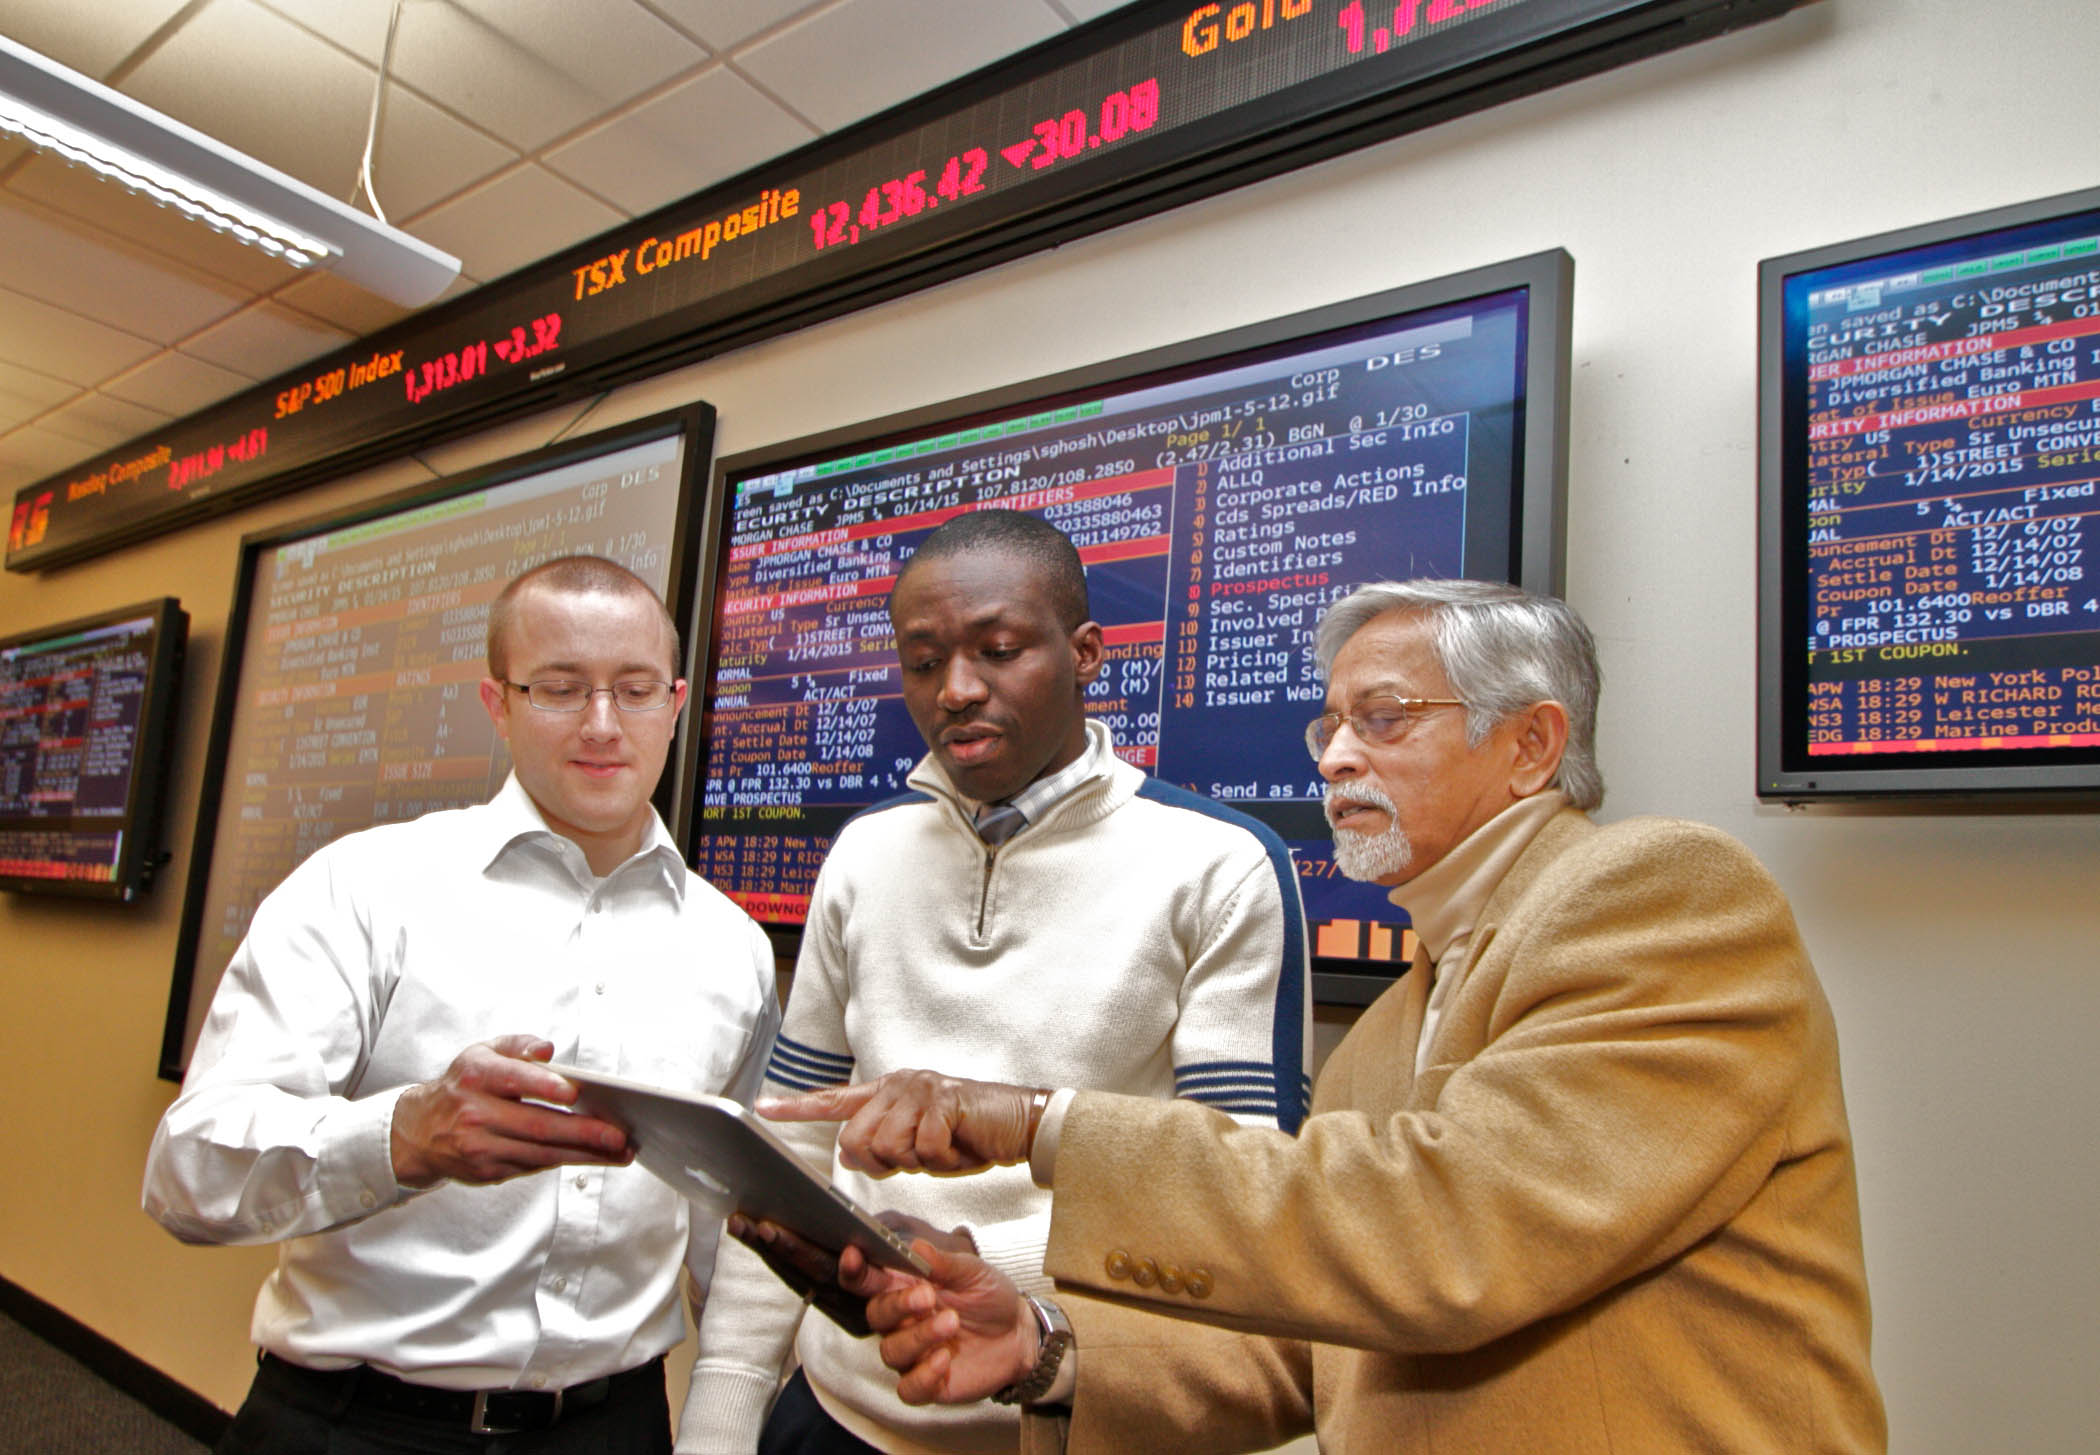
column 723, row 1158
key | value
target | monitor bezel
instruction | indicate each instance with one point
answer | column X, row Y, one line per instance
column 694, row 422
column 1537, row 558
column 144, row 818
column 1784, row 774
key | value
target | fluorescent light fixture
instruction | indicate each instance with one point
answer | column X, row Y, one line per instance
column 63, row 112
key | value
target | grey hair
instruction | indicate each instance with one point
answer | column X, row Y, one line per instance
column 1503, row 649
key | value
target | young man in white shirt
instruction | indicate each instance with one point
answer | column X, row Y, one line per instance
column 364, row 1090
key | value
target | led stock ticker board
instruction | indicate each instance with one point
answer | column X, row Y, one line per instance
column 1154, row 105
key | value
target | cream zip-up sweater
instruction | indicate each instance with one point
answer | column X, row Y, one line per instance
column 1138, row 938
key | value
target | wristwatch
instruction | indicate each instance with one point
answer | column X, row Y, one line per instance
column 1056, row 1338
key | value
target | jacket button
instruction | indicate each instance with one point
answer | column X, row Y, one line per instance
column 1199, row 1283
column 1170, row 1279
column 1144, row 1273
column 1118, row 1265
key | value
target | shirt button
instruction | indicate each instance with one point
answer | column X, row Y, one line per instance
column 601, row 987
column 582, row 1181
column 1118, row 1265
column 539, row 1381
column 561, row 1285
column 366, row 1199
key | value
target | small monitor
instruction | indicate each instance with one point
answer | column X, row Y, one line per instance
column 87, row 715
column 1929, row 529
column 355, row 647
column 1221, row 492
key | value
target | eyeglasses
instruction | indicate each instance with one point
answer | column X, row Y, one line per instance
column 1376, row 720
column 553, row 694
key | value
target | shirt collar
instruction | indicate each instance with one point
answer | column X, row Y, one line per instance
column 1444, row 901
column 512, row 819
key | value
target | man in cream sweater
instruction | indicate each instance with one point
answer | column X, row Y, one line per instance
column 1034, row 910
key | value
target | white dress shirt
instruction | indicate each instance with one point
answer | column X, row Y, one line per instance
column 375, row 963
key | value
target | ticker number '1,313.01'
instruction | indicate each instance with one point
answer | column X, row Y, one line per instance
column 1122, row 113
column 470, row 361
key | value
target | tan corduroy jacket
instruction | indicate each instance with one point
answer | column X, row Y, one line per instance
column 1615, row 1213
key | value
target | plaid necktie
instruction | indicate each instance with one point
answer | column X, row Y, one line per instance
column 998, row 822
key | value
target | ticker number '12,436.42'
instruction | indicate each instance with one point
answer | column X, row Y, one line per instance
column 1122, row 113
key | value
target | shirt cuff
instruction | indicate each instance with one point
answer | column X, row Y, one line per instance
column 1042, row 1153
column 363, row 1134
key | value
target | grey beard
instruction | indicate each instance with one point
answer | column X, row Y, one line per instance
column 1368, row 857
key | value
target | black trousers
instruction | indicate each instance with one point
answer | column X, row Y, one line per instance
column 287, row 1414
column 799, row 1426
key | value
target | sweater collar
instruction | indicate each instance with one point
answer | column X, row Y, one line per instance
column 1444, row 902
column 1056, row 796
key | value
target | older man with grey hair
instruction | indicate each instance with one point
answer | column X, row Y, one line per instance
column 1580, row 1181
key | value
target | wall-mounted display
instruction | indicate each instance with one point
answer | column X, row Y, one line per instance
column 1221, row 493
column 354, row 651
column 1929, row 456
column 1153, row 105
column 87, row 717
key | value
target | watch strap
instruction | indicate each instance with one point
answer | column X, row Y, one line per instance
column 1056, row 1333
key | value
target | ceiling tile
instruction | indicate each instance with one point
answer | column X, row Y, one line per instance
column 81, row 194
column 333, row 300
column 100, row 422
column 517, row 219
column 709, row 128
column 89, row 38
column 263, row 341
column 1090, row 9
column 175, row 383
column 258, row 83
column 53, row 341
column 302, row 106
column 724, row 23
column 359, row 29
column 14, row 411
column 65, row 262
column 820, row 66
column 27, row 389
column 530, row 70
column 424, row 156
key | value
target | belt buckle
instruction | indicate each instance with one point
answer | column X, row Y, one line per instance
column 477, row 1422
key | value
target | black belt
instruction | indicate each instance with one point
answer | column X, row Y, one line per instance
column 482, row 1411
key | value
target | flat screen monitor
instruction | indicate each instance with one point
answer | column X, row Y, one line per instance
column 87, row 716
column 1221, row 493
column 1929, row 452
column 354, row 651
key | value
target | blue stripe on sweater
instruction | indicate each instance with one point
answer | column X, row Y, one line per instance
column 806, row 1068
column 1288, row 1035
column 908, row 797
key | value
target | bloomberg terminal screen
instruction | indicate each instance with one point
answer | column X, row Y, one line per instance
column 358, row 697
column 1951, row 457
column 71, row 719
column 1217, row 510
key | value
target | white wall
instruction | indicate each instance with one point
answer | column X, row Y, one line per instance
column 1959, row 951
